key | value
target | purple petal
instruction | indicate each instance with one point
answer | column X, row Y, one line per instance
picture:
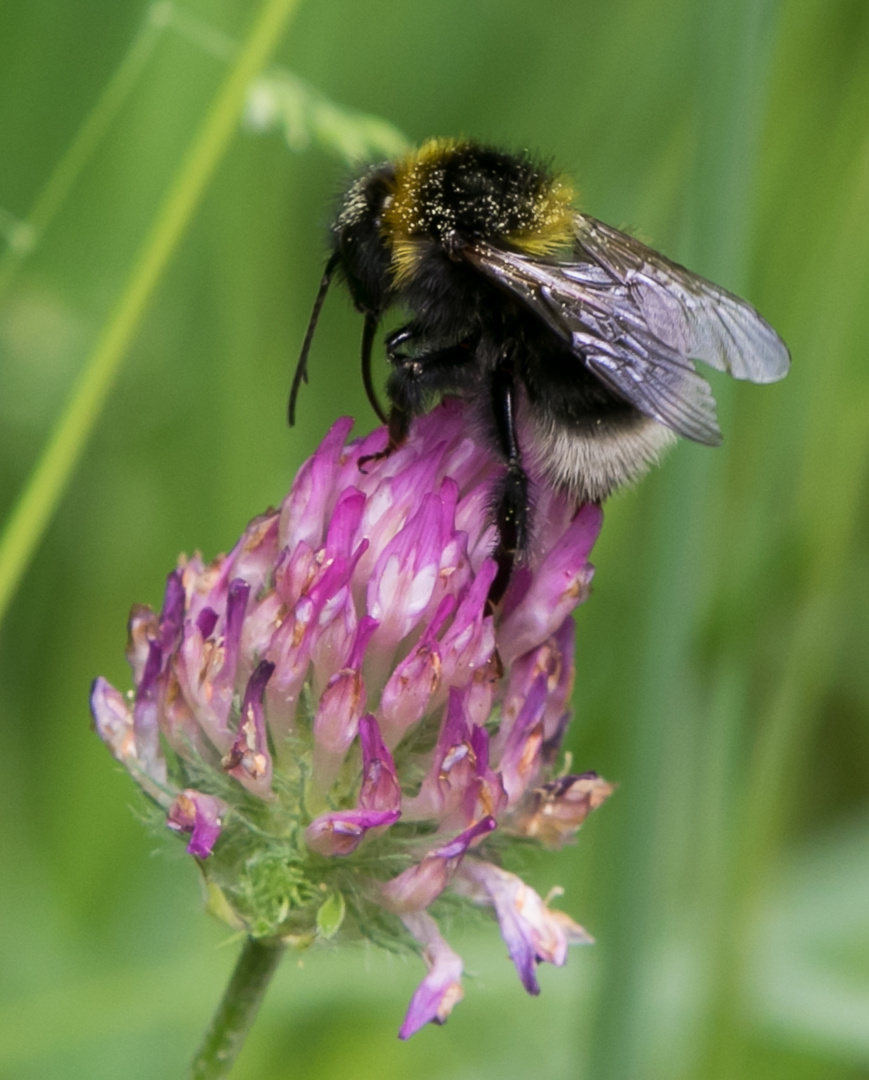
column 198, row 814
column 452, row 766
column 249, row 760
column 113, row 720
column 236, row 607
column 322, row 600
column 559, row 584
column 470, row 640
column 253, row 557
column 305, row 510
column 520, row 761
column 340, row 832
column 554, row 661
column 343, row 701
column 332, row 639
column 418, row 886
column 206, row 621
column 415, row 680
column 146, row 730
column 560, row 678
column 344, row 523
column 406, row 578
column 485, row 795
column 115, row 726
column 380, row 787
column 441, row 989
column 556, row 810
column 143, row 627
column 208, row 665
column 531, row 931
column 172, row 614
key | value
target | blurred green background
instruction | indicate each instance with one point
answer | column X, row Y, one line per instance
column 723, row 678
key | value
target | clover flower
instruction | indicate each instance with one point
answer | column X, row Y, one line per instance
column 340, row 725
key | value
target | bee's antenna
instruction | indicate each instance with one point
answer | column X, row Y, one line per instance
column 301, row 374
column 368, row 332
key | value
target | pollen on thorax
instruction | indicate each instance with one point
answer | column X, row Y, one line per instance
column 451, row 187
column 548, row 224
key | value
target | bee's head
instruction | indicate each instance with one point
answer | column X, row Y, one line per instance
column 361, row 256
column 357, row 237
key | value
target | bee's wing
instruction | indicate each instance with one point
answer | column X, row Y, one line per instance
column 687, row 312
column 636, row 320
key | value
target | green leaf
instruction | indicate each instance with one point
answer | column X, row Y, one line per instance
column 331, row 915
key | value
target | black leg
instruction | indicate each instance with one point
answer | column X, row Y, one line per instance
column 418, row 376
column 397, row 427
column 421, row 371
column 511, row 504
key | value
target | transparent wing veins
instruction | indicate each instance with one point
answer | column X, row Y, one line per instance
column 694, row 316
column 636, row 321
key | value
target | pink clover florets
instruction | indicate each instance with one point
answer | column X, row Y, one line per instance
column 335, row 708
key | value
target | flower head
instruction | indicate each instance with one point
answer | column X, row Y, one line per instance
column 338, row 722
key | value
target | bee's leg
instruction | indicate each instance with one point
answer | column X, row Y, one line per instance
column 397, row 427
column 409, row 334
column 423, row 367
column 398, row 421
column 416, row 377
column 511, row 503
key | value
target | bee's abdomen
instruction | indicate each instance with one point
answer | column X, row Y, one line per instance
column 593, row 458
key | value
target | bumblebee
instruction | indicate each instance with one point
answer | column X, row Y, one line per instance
column 575, row 342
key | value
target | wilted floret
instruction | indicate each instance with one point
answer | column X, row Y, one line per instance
column 341, row 726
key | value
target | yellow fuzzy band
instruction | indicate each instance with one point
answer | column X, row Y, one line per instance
column 547, row 225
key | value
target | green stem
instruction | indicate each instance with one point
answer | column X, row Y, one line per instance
column 51, row 475
column 237, row 1010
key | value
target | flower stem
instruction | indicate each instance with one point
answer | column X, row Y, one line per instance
column 237, row 1010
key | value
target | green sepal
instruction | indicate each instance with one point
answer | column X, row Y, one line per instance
column 330, row 915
